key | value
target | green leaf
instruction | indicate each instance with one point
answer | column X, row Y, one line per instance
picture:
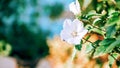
column 78, row 47
column 113, row 45
column 103, row 46
column 111, row 59
column 89, row 48
column 100, row 50
column 99, row 31
column 88, row 27
column 107, row 41
column 88, row 36
column 114, row 18
column 111, row 31
column 97, row 42
column 97, row 21
column 91, row 13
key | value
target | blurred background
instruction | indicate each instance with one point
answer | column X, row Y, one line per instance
column 26, row 26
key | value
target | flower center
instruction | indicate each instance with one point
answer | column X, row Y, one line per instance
column 74, row 34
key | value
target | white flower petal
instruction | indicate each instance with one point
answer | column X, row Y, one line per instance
column 74, row 41
column 75, row 7
column 83, row 33
column 73, row 32
column 67, row 23
column 78, row 25
column 78, row 6
column 64, row 35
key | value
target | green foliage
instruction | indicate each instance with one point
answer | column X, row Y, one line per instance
column 103, row 17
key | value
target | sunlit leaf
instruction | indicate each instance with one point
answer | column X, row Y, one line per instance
column 97, row 21
column 99, row 31
column 89, row 48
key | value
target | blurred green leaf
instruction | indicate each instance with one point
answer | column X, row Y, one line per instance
column 5, row 48
column 118, row 4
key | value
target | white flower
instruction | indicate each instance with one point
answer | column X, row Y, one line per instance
column 73, row 32
column 75, row 7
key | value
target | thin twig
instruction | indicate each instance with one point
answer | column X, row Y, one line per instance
column 89, row 42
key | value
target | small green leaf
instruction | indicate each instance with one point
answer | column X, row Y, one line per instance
column 111, row 31
column 100, row 50
column 97, row 21
column 91, row 13
column 99, row 31
column 107, row 41
column 89, row 48
column 78, row 47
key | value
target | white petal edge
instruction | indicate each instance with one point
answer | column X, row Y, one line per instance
column 67, row 23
